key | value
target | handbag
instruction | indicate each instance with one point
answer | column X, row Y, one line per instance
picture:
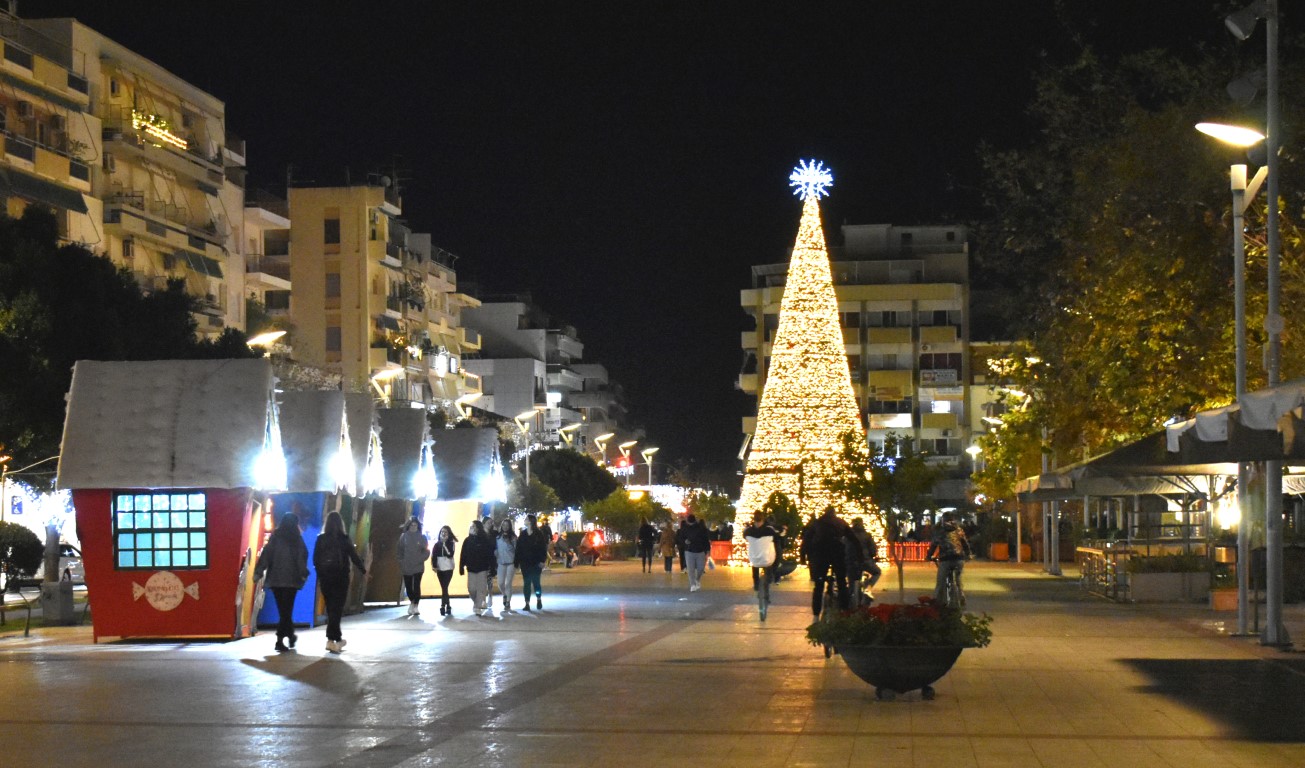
column 711, row 564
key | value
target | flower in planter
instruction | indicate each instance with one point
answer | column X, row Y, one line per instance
column 927, row 623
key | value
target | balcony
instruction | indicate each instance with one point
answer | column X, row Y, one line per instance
column 560, row 378
column 747, row 382
column 748, row 340
column 470, row 339
column 125, row 133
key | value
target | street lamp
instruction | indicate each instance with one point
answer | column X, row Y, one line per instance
column 385, row 374
column 647, row 454
column 1242, row 24
column 520, row 419
column 601, row 442
column 461, row 403
column 625, row 454
column 1243, row 192
column 265, row 340
column 566, row 431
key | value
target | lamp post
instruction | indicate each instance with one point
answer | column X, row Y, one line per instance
column 625, row 454
column 647, row 454
column 1243, row 192
column 520, row 420
column 385, row 374
column 567, row 437
column 1242, row 24
column 601, row 442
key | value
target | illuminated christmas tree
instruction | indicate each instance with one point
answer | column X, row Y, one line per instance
column 807, row 401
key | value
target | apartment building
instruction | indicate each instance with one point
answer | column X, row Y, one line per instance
column 374, row 302
column 530, row 361
column 903, row 297
column 267, row 252
column 169, row 178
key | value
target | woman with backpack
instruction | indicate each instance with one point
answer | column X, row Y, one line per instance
column 332, row 555
column 412, row 551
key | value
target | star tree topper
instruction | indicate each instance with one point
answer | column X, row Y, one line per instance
column 811, row 179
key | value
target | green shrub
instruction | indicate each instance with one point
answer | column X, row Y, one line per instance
column 1169, row 564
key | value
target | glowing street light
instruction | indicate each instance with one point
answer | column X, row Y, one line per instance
column 384, row 375
column 566, row 433
column 520, row 420
column 626, row 446
column 647, row 454
column 601, row 442
column 462, row 401
column 265, row 339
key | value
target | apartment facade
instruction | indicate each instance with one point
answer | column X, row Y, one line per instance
column 167, row 179
column 903, row 299
column 373, row 302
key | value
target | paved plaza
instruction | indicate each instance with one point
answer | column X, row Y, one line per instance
column 623, row 668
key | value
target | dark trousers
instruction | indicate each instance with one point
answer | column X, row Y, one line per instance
column 530, row 581
column 669, row 559
column 412, row 586
column 646, row 555
column 285, row 608
column 335, row 587
column 681, row 561
column 821, row 576
column 445, row 577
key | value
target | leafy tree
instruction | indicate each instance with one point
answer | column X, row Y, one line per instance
column 575, row 477
column 780, row 508
column 891, row 485
column 621, row 515
column 59, row 305
column 538, row 498
column 20, row 552
column 711, row 508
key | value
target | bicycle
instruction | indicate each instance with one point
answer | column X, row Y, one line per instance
column 828, row 604
column 952, row 592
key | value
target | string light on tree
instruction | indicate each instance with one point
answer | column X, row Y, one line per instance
column 807, row 401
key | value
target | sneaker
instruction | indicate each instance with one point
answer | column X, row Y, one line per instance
column 527, row 606
column 340, row 644
column 539, row 603
column 295, row 638
column 332, row 647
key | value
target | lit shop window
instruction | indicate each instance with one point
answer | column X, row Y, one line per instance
column 160, row 530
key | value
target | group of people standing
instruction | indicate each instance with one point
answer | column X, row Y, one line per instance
column 499, row 554
column 691, row 540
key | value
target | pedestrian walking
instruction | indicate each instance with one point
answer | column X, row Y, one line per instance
column 284, row 560
column 445, row 543
column 667, row 545
column 332, row 555
column 412, row 552
column 505, row 551
column 647, row 539
column 695, row 541
column 532, row 551
column 763, row 558
column 822, row 547
column 476, row 561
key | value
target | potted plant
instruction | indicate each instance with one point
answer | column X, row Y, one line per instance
column 901, row 647
column 1171, row 578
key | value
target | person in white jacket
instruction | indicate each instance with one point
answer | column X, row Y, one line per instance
column 762, row 556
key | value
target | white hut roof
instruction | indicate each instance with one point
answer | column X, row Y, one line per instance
column 403, row 433
column 361, row 412
column 312, row 424
column 463, row 458
column 165, row 423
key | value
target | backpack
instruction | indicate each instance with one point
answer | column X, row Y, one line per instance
column 949, row 544
column 332, row 557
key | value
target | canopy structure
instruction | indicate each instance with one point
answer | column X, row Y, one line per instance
column 463, row 460
column 404, row 433
column 312, row 428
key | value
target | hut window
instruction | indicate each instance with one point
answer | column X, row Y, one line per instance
column 160, row 529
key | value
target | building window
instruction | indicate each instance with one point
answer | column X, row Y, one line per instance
column 332, row 285
column 941, row 406
column 277, row 300
column 127, row 249
column 331, row 231
column 160, row 529
column 113, row 86
column 333, row 338
column 851, row 319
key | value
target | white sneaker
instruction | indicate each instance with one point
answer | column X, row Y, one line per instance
column 340, row 644
column 332, row 647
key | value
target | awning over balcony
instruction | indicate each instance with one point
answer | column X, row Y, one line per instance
column 17, row 183
column 201, row 264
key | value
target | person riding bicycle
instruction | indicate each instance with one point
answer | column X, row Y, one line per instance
column 762, row 556
column 950, row 548
column 861, row 554
column 822, row 548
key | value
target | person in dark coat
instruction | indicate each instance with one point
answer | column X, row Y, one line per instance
column 332, row 555
column 477, row 561
column 694, row 541
column 647, row 540
column 822, row 548
column 532, row 553
column 284, row 561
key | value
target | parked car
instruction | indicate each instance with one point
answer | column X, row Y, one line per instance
column 70, row 562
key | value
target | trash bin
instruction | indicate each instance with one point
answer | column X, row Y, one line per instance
column 57, row 602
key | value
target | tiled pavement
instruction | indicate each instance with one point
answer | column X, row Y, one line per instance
column 630, row 669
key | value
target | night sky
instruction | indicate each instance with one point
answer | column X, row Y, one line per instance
column 627, row 162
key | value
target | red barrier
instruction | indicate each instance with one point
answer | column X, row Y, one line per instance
column 910, row 551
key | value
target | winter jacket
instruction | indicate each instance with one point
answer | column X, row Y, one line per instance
column 667, row 542
column 532, row 550
column 413, row 550
column 949, row 543
column 694, row 537
column 822, row 541
column 647, row 535
column 505, row 549
column 477, row 554
column 444, row 548
column 284, row 559
column 761, row 545
column 340, row 545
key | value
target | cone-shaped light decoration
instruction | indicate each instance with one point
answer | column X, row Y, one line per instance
column 807, row 401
